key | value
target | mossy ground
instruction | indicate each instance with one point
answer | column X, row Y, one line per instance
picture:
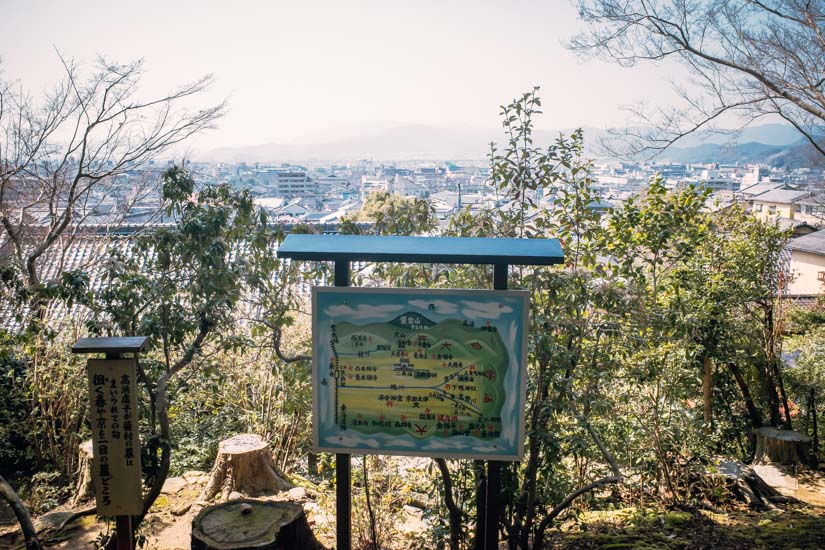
column 631, row 528
column 737, row 528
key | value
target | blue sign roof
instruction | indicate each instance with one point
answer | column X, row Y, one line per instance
column 448, row 250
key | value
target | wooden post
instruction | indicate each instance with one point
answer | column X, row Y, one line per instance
column 123, row 524
column 125, row 498
column 123, row 527
column 343, row 465
column 493, row 504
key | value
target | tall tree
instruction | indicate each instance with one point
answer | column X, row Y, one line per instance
column 61, row 155
column 392, row 214
column 569, row 312
column 180, row 286
column 747, row 57
column 756, row 255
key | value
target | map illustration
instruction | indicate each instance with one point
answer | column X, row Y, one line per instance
column 419, row 372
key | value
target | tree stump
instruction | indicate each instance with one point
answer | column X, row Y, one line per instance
column 244, row 464
column 84, row 489
column 746, row 484
column 246, row 524
column 782, row 446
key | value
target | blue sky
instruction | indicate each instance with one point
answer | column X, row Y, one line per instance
column 294, row 68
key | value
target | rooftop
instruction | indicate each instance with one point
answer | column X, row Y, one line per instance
column 814, row 243
column 760, row 188
column 785, row 196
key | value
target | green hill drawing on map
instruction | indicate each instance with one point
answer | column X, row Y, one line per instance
column 413, row 376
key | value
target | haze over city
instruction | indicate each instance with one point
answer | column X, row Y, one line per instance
column 412, row 274
column 318, row 71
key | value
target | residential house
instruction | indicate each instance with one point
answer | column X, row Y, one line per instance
column 798, row 228
column 778, row 203
column 746, row 194
column 807, row 264
column 293, row 209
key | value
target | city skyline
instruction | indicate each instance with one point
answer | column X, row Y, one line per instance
column 324, row 68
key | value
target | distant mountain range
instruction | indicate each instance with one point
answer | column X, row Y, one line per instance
column 799, row 154
column 395, row 143
column 774, row 144
column 767, row 134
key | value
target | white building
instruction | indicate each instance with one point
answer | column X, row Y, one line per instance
column 755, row 174
column 371, row 185
column 287, row 181
column 807, row 264
column 407, row 187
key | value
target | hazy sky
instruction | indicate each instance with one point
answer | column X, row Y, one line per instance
column 291, row 68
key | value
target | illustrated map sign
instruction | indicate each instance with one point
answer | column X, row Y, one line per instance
column 419, row 372
column 116, row 458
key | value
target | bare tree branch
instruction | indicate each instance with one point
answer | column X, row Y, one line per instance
column 59, row 159
column 747, row 58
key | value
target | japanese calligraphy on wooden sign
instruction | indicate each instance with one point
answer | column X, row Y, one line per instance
column 419, row 372
column 116, row 462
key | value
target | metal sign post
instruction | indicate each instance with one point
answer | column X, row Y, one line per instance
column 493, row 493
column 116, row 443
column 343, row 464
column 501, row 253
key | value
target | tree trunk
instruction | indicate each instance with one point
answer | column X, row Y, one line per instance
column 452, row 508
column 538, row 542
column 753, row 412
column 244, row 464
column 773, row 374
column 245, row 524
column 782, row 446
column 707, row 393
column 480, row 470
column 85, row 488
column 23, row 517
column 771, row 396
column 815, row 429
column 783, row 395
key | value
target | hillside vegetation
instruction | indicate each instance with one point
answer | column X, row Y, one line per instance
column 654, row 351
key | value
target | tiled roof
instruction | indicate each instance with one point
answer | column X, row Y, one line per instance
column 788, row 223
column 759, row 188
column 85, row 252
column 807, row 301
column 783, row 196
column 814, row 243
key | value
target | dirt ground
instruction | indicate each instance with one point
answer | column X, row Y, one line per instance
column 801, row 525
column 169, row 523
column 167, row 527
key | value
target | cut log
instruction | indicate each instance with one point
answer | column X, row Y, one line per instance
column 747, row 485
column 246, row 524
column 782, row 447
column 244, row 464
column 84, row 490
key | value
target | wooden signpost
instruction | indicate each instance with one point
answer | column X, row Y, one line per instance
column 501, row 253
column 116, row 470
